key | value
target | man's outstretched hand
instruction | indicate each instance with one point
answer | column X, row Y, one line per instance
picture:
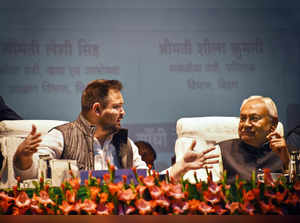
column 23, row 155
column 194, row 160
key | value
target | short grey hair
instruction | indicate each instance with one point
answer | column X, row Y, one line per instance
column 271, row 107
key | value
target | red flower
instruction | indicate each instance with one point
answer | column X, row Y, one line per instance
column 219, row 210
column 297, row 186
column 103, row 197
column 248, row 208
column 106, row 178
column 35, row 207
column 115, row 188
column 22, row 200
column 280, row 196
column 248, row 196
column 70, row 196
column 155, row 192
column 232, row 207
column 4, row 205
column 176, row 192
column 143, row 206
column 165, row 187
column 75, row 183
column 163, row 202
column 94, row 191
column 88, row 206
column 149, row 181
column 5, row 197
column 292, row 199
column 266, row 208
column 43, row 198
column 180, row 206
column 212, row 198
column 66, row 208
column 129, row 210
column 141, row 189
column 102, row 209
column 126, row 195
column 205, row 209
column 193, row 205
column 268, row 180
column 214, row 188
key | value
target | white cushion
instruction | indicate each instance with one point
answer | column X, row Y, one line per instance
column 22, row 128
column 12, row 133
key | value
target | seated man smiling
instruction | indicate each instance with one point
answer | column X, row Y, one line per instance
column 258, row 146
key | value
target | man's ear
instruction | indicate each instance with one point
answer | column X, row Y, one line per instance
column 97, row 108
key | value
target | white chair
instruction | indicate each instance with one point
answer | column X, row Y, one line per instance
column 12, row 133
column 207, row 131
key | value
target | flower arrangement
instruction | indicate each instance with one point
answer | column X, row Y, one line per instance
column 152, row 196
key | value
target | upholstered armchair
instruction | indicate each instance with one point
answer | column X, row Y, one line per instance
column 207, row 131
column 12, row 133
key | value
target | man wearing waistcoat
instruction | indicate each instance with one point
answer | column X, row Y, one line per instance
column 95, row 137
column 258, row 146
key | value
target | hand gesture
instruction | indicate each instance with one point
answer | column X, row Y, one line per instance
column 23, row 155
column 195, row 160
column 278, row 145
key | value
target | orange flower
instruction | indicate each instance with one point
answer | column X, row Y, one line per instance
column 88, row 206
column 248, row 196
column 297, row 186
column 292, row 199
column 248, row 208
column 155, row 192
column 268, row 180
column 219, row 210
column 43, row 198
column 232, row 207
column 105, row 209
column 5, row 197
column 163, row 202
column 193, row 205
column 70, row 196
column 143, row 206
column 176, row 192
column 129, row 210
column 106, row 178
column 66, row 208
column 205, row 209
column 210, row 197
column 35, row 207
column 75, row 183
column 149, row 181
column 165, row 187
column 94, row 192
column 179, row 206
column 126, row 195
column 103, row 197
column 214, row 188
column 141, row 189
column 22, row 200
column 115, row 188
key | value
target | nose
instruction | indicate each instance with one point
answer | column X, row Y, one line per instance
column 123, row 111
column 247, row 122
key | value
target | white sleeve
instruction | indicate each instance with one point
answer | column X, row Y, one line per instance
column 137, row 159
column 52, row 144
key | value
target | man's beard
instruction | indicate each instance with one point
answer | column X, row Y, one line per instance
column 106, row 123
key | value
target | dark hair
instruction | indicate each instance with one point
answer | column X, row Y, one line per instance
column 144, row 146
column 97, row 91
